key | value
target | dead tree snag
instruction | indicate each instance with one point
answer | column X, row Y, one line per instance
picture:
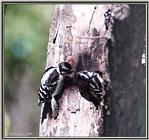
column 77, row 35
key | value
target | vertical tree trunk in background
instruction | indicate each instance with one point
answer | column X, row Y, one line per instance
column 77, row 35
column 127, row 76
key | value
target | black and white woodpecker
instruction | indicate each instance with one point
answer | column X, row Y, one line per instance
column 51, row 85
column 107, row 16
column 96, row 83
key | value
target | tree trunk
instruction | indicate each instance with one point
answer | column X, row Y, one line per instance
column 77, row 35
column 128, row 76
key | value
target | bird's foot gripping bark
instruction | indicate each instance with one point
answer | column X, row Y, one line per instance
column 55, row 108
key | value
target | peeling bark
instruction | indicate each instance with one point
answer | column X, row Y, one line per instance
column 77, row 35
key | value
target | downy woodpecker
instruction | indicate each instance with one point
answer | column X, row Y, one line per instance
column 51, row 86
column 107, row 16
column 95, row 82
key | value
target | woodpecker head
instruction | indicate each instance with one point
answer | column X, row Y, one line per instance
column 65, row 68
column 109, row 10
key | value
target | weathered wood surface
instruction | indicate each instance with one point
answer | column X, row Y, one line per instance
column 78, row 42
column 77, row 35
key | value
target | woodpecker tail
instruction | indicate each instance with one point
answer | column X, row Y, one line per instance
column 46, row 111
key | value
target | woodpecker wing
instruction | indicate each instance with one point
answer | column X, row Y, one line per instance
column 83, row 76
column 52, row 81
column 93, row 78
column 48, row 84
column 96, row 83
column 46, row 110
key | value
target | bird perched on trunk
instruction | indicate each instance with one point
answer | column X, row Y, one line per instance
column 50, row 87
column 107, row 16
column 94, row 84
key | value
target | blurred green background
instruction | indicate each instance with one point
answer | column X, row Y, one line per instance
column 26, row 30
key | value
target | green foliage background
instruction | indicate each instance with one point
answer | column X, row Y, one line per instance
column 26, row 29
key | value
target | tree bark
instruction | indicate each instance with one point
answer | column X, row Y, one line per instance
column 128, row 76
column 77, row 35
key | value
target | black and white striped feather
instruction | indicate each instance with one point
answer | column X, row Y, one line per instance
column 51, row 86
column 48, row 84
column 94, row 79
column 47, row 88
